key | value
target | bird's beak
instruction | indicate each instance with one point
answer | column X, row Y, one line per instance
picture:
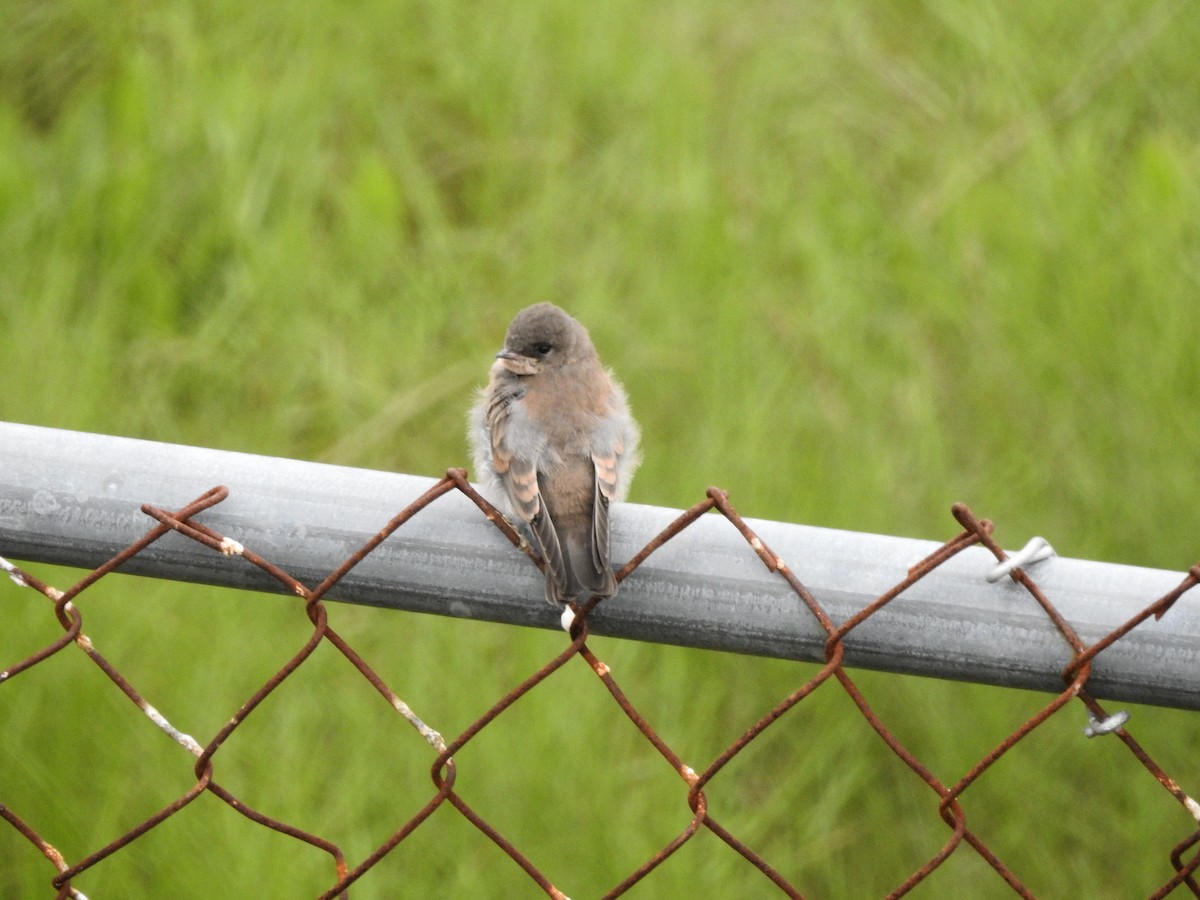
column 516, row 363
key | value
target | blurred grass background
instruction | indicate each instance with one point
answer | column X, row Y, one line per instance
column 853, row 262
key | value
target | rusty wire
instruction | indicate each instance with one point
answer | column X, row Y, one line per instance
column 443, row 770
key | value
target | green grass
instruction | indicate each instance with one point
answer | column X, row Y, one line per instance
column 853, row 262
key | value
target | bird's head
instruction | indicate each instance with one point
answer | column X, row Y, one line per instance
column 543, row 337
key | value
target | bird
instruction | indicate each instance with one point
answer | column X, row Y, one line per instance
column 555, row 444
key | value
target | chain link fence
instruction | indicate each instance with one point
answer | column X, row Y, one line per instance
column 193, row 522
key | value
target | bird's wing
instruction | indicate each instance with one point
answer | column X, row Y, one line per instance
column 520, row 479
column 606, row 488
column 518, row 474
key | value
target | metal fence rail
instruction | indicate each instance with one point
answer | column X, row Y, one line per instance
column 73, row 498
column 1082, row 630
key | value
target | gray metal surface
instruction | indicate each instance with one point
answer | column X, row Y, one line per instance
column 73, row 498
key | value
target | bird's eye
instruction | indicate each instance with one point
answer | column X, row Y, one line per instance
column 543, row 348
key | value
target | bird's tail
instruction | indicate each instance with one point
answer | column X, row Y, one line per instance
column 572, row 571
column 585, row 577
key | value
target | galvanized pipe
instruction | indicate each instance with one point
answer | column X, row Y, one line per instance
column 73, row 498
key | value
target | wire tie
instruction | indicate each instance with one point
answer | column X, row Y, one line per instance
column 1097, row 727
column 1036, row 550
column 13, row 573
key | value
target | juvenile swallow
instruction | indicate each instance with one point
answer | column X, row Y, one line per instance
column 555, row 445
